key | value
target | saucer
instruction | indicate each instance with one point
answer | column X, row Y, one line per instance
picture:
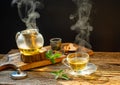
column 90, row 68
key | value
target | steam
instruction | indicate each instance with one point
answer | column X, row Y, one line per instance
column 27, row 11
column 82, row 26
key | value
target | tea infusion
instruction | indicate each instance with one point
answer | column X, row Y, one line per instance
column 29, row 42
column 78, row 64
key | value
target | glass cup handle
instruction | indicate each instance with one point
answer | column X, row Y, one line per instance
column 64, row 61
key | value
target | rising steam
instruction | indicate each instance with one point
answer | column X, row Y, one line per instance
column 27, row 11
column 82, row 26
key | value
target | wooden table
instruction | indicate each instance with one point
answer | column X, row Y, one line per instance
column 108, row 73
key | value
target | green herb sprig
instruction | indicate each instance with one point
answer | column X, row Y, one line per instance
column 52, row 56
column 60, row 74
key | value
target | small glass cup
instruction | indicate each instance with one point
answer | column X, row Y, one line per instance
column 55, row 43
column 77, row 62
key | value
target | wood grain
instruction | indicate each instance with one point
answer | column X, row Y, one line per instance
column 108, row 73
column 14, row 57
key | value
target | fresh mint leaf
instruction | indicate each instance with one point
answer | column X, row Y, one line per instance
column 57, row 55
column 64, row 76
column 60, row 74
column 56, row 74
column 49, row 53
column 60, row 71
column 52, row 60
column 56, row 77
column 52, row 56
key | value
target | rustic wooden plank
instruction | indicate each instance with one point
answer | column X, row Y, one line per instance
column 108, row 73
column 15, row 58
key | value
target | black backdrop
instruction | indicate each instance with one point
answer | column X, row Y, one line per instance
column 55, row 22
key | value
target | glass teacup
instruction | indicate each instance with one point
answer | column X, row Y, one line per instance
column 77, row 62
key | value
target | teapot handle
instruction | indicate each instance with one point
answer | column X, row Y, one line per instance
column 18, row 33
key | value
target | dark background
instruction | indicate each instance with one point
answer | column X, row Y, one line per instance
column 55, row 22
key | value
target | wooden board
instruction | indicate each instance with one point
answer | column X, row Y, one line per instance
column 14, row 58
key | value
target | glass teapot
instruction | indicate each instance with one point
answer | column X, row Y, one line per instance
column 29, row 41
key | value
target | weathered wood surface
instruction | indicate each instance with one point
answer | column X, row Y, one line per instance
column 108, row 73
column 14, row 57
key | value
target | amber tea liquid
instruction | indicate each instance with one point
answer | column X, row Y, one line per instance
column 78, row 63
column 29, row 51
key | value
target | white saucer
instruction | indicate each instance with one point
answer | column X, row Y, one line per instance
column 90, row 68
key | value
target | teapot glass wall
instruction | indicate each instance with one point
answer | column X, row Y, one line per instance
column 29, row 41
